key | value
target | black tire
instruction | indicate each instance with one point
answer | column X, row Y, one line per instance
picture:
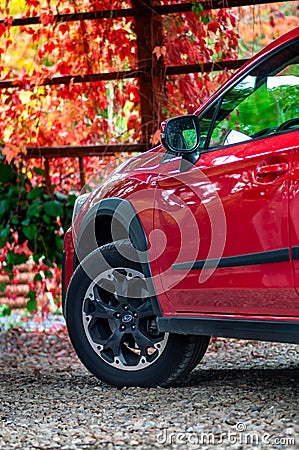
column 112, row 325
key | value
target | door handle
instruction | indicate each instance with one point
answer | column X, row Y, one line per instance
column 276, row 169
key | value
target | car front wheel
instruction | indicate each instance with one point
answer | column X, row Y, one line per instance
column 113, row 328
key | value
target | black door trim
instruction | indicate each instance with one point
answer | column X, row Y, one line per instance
column 250, row 259
column 295, row 253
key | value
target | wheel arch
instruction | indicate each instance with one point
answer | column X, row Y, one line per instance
column 109, row 220
column 96, row 227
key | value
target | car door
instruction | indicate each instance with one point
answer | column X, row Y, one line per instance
column 226, row 218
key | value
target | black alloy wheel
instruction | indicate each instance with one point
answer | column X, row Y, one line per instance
column 113, row 327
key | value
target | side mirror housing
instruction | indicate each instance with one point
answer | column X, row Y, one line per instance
column 181, row 135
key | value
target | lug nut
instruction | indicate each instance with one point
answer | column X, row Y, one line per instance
column 135, row 314
column 118, row 315
column 122, row 328
column 133, row 327
column 126, row 307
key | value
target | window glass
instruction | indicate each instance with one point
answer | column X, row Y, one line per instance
column 258, row 105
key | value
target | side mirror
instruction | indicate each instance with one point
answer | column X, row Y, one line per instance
column 181, row 135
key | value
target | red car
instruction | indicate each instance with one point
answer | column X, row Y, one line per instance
column 197, row 237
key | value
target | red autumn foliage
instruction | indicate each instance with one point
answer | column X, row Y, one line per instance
column 100, row 112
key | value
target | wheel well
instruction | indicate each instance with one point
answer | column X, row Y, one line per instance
column 108, row 229
column 110, row 220
column 105, row 230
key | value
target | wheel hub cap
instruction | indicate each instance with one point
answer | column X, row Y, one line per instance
column 127, row 318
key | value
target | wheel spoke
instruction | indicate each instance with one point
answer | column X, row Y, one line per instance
column 103, row 311
column 96, row 308
column 145, row 309
column 143, row 342
column 114, row 343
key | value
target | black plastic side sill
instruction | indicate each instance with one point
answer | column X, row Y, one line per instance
column 261, row 330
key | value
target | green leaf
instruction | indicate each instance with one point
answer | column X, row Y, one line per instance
column 15, row 220
column 71, row 200
column 31, row 295
column 13, row 192
column 34, row 193
column 38, row 171
column 30, row 231
column 8, row 270
column 59, row 243
column 197, row 7
column 26, row 222
column 53, row 209
column 5, row 310
column 6, row 173
column 48, row 274
column 5, row 232
column 15, row 258
column 4, row 236
column 31, row 305
column 4, row 206
column 46, row 219
column 34, row 210
column 205, row 19
column 38, row 277
column 36, row 258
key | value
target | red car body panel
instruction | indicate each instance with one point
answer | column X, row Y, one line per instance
column 68, row 261
column 259, row 215
column 256, row 213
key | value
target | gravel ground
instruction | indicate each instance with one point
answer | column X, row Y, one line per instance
column 243, row 395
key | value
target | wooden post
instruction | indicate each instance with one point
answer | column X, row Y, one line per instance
column 149, row 31
column 49, row 186
column 82, row 172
